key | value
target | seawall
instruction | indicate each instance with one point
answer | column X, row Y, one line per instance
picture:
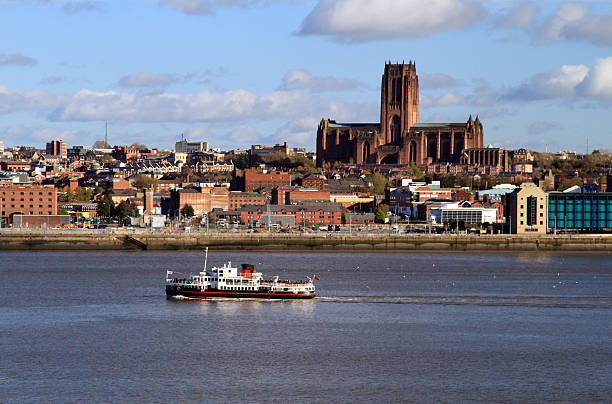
column 104, row 240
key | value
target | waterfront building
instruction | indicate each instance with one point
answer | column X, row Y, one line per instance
column 527, row 210
column 292, row 195
column 238, row 199
column 27, row 200
column 202, row 199
column 308, row 214
column 453, row 211
column 585, row 210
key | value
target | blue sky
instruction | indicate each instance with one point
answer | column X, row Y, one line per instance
column 242, row 72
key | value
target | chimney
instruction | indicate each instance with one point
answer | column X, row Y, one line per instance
column 148, row 201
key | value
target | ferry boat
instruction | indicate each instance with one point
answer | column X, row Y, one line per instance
column 226, row 281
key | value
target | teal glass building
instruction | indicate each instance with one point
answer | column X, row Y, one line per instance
column 588, row 210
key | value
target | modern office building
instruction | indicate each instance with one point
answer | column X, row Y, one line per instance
column 586, row 210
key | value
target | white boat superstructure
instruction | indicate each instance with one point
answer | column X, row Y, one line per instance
column 228, row 281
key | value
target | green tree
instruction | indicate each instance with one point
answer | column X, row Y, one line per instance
column 381, row 213
column 122, row 210
column 187, row 211
column 379, row 183
column 142, row 181
column 133, row 211
column 447, row 181
column 106, row 206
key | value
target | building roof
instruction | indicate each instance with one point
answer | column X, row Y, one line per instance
column 439, row 125
column 354, row 125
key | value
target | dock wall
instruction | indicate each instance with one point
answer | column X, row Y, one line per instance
column 71, row 240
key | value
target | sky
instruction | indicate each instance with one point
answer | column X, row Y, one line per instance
column 242, row 72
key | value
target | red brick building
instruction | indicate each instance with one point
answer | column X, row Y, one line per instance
column 203, row 200
column 293, row 195
column 254, row 180
column 56, row 148
column 125, row 153
column 305, row 214
column 314, row 181
column 462, row 195
column 28, row 200
column 239, row 199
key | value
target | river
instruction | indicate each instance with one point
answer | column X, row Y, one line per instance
column 392, row 327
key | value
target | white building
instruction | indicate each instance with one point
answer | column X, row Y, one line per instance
column 185, row 146
column 452, row 211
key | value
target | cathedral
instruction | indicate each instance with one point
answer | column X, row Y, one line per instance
column 400, row 137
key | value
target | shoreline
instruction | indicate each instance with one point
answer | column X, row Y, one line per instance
column 278, row 242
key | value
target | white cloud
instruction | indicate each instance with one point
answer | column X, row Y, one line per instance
column 303, row 80
column 209, row 7
column 573, row 22
column 542, row 127
column 244, row 134
column 13, row 100
column 444, row 100
column 298, row 132
column 24, row 135
column 598, row 82
column 16, row 59
column 52, row 80
column 436, row 80
column 206, row 7
column 522, row 15
column 367, row 20
column 76, row 7
column 555, row 83
column 145, row 80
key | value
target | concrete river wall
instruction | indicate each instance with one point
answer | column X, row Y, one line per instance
column 116, row 240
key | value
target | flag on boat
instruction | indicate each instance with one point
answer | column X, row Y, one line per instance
column 317, row 278
column 168, row 272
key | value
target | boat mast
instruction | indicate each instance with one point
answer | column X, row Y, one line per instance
column 205, row 259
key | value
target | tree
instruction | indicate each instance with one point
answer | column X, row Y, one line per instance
column 122, row 210
column 101, row 144
column 381, row 213
column 133, row 211
column 142, row 181
column 139, row 146
column 106, row 206
column 187, row 211
column 379, row 183
column 447, row 181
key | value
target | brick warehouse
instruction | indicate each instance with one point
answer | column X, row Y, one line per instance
column 27, row 200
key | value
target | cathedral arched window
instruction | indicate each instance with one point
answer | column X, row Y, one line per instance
column 395, row 128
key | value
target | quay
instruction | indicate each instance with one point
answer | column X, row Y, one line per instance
column 119, row 239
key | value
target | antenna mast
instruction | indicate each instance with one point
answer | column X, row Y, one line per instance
column 106, row 136
column 205, row 259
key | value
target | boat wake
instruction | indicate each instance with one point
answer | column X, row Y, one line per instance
column 528, row 301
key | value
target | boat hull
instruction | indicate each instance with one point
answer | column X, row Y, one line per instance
column 206, row 294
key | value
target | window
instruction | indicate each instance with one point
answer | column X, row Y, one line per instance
column 532, row 210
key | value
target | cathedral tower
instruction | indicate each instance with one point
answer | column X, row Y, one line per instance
column 399, row 105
